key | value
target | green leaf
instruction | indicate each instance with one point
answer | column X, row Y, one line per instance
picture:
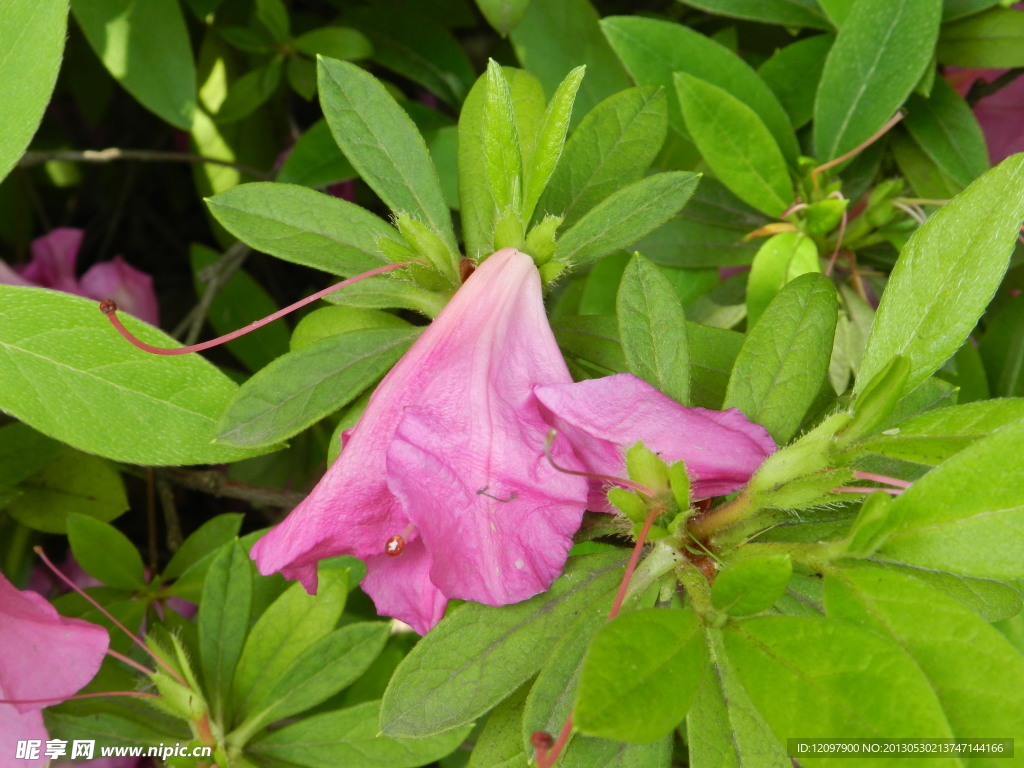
column 652, row 327
column 32, row 39
column 503, row 15
column 1002, row 350
column 947, row 131
column 625, row 217
column 250, row 91
column 793, row 13
column 470, row 661
column 653, row 51
column 105, row 553
column 145, row 47
column 878, row 58
column 954, row 519
column 476, row 198
column 300, row 388
column 827, row 679
column 736, row 144
column 593, row 338
column 223, row 622
column 613, row 145
column 316, row 160
column 785, row 356
column 115, row 400
column 24, row 452
column 989, row 40
column 202, row 542
column 304, row 227
column 751, row 585
column 349, row 737
column 954, row 9
column 779, row 260
column 976, row 674
column 540, row 164
column 383, row 144
column 723, row 728
column 793, row 74
column 947, row 274
column 554, row 38
column 73, row 482
column 335, row 42
column 503, row 158
column 327, row 322
column 500, row 743
column 925, row 177
column 588, row 752
column 327, row 666
column 640, row 675
column 934, row 437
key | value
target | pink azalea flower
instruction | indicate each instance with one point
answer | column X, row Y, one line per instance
column 446, row 467
column 43, row 656
column 53, row 266
column 602, row 418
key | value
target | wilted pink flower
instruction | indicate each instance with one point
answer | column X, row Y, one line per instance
column 446, row 467
column 53, row 266
column 602, row 418
column 44, row 659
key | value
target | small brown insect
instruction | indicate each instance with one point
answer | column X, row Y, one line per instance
column 394, row 546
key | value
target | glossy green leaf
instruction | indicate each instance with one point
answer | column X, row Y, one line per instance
column 947, row 274
column 785, row 356
column 303, row 226
column 300, row 388
column 202, row 542
column 223, row 621
column 640, row 675
column 946, row 129
column 827, row 679
column 554, row 38
column 793, row 74
column 977, row 675
column 349, row 738
column 878, row 58
column 723, row 728
column 751, row 585
column 736, row 145
column 612, row 146
column 654, row 50
column 32, row 39
column 316, row 160
column 956, row 518
column 293, row 624
column 625, row 217
column 1002, row 350
column 383, row 144
column 795, row 13
column 990, row 39
column 73, row 482
column 145, row 47
column 470, row 661
column 779, row 260
column 652, row 329
column 105, row 553
column 59, row 349
column 503, row 15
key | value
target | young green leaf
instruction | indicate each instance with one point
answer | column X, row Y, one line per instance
column 625, row 217
column 652, row 327
column 202, row 542
column 470, row 661
column 785, row 356
column 145, row 47
column 878, row 57
column 502, row 155
column 316, row 160
column 790, row 13
column 105, row 553
column 779, row 260
column 793, row 74
column 32, row 39
column 383, row 144
column 947, row 131
column 640, row 675
column 736, row 144
column 946, row 275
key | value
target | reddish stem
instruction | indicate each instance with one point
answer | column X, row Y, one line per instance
column 109, row 308
column 895, row 481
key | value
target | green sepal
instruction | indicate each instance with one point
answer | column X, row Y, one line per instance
column 426, row 242
column 679, row 481
column 508, row 230
column 550, row 272
column 540, row 242
column 822, row 217
column 646, row 468
column 628, row 503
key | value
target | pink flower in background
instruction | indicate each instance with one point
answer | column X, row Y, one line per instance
column 43, row 656
column 602, row 418
column 443, row 488
column 53, row 266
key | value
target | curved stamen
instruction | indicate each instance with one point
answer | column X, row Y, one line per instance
column 866, row 489
column 549, row 441
column 876, row 478
column 109, row 308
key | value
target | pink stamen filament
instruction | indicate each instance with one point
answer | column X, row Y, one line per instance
column 549, row 441
column 110, row 310
column 866, row 489
column 856, row 150
column 173, row 673
column 895, row 481
column 51, row 702
column 129, row 661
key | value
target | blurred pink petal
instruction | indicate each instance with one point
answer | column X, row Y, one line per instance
column 130, row 289
column 53, row 260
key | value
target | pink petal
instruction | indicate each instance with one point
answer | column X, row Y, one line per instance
column 53, row 260
column 44, row 655
column 18, row 726
column 9, row 277
column 401, row 587
column 602, row 418
column 130, row 289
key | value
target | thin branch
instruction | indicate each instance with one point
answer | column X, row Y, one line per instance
column 218, row 484
column 112, row 154
column 215, row 276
